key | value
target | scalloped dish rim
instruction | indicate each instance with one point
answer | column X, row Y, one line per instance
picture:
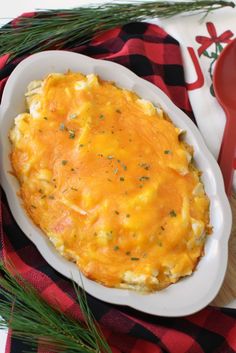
column 191, row 293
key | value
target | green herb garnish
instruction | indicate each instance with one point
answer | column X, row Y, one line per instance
column 122, row 179
column 142, row 178
column 116, row 247
column 71, row 134
column 145, row 166
column 62, row 127
column 172, row 213
column 116, row 212
column 64, row 162
column 134, row 258
column 73, row 116
column 167, row 151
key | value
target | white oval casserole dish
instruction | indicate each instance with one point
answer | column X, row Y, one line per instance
column 189, row 294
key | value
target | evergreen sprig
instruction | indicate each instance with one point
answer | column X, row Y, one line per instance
column 32, row 320
column 60, row 29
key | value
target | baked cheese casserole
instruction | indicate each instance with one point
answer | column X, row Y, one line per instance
column 110, row 181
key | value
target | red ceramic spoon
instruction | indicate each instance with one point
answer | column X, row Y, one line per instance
column 224, row 81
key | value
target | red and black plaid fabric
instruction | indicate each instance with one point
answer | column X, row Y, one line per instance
column 152, row 54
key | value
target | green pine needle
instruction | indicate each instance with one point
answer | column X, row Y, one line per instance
column 58, row 29
column 32, row 320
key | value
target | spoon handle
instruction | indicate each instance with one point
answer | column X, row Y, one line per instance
column 228, row 149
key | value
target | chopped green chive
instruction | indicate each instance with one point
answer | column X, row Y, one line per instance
column 116, row 212
column 71, row 134
column 128, row 215
column 62, row 126
column 109, row 234
column 101, row 116
column 45, row 118
column 142, row 178
column 64, row 162
column 134, row 258
column 159, row 243
column 81, row 145
column 124, row 166
column 167, row 152
column 172, row 213
column 116, row 170
column 122, row 179
column 145, row 166
column 116, row 247
column 73, row 116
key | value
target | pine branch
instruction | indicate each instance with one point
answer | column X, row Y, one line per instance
column 32, row 319
column 60, row 29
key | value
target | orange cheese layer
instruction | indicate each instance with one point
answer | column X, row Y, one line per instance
column 107, row 178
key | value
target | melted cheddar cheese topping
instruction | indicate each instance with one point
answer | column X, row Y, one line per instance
column 110, row 181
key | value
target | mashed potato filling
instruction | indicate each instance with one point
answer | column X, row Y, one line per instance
column 107, row 177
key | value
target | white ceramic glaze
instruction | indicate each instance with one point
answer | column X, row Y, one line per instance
column 189, row 294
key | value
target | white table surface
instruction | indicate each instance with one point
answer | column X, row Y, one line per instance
column 12, row 8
